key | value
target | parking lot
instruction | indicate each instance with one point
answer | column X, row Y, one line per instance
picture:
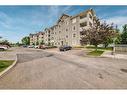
column 51, row 69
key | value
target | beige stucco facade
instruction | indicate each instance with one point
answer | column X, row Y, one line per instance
column 36, row 39
column 67, row 30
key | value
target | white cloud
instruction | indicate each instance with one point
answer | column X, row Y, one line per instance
column 117, row 20
column 5, row 20
column 56, row 12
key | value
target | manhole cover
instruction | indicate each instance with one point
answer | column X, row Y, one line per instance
column 124, row 70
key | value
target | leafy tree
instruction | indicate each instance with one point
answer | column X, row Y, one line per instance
column 4, row 42
column 42, row 42
column 118, row 36
column 26, row 40
column 99, row 33
column 17, row 44
column 37, row 43
column 107, row 42
column 124, row 35
column 33, row 44
column 110, row 39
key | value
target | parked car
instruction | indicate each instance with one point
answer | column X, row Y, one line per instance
column 42, row 47
column 31, row 46
column 25, row 46
column 65, row 48
column 3, row 48
column 36, row 46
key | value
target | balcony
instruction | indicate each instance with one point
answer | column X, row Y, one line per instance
column 83, row 20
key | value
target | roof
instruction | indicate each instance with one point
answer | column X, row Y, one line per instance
column 85, row 12
column 62, row 17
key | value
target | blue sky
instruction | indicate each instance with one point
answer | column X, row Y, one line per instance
column 18, row 21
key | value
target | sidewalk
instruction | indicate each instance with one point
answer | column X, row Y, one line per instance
column 117, row 56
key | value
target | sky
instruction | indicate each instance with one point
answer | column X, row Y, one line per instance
column 19, row 21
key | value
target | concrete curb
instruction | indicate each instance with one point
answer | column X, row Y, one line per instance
column 9, row 68
column 108, row 54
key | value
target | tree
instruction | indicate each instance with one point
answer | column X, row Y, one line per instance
column 4, row 42
column 99, row 33
column 17, row 44
column 110, row 39
column 107, row 42
column 26, row 40
column 118, row 36
column 124, row 35
column 37, row 43
column 42, row 42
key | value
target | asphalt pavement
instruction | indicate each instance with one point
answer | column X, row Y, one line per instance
column 51, row 69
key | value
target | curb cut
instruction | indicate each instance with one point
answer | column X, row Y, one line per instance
column 9, row 68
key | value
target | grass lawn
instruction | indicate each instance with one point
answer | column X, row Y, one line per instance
column 5, row 63
column 96, row 53
column 6, row 50
column 101, row 48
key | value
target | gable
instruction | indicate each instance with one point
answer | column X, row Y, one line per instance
column 64, row 16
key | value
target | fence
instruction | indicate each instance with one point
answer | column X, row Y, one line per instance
column 121, row 48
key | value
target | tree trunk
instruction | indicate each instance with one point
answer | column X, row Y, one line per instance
column 96, row 47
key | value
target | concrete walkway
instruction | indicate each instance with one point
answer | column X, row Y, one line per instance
column 116, row 56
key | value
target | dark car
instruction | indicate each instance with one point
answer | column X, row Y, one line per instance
column 65, row 48
column 25, row 46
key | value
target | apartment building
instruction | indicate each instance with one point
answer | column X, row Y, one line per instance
column 36, row 39
column 68, row 29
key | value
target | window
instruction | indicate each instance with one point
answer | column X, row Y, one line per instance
column 67, row 23
column 90, row 24
column 59, row 31
column 66, row 29
column 83, row 16
column 74, row 20
column 66, row 36
column 74, row 35
column 90, row 16
column 74, row 28
column 83, row 24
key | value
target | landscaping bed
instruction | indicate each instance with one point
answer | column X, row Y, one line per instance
column 96, row 53
column 5, row 63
